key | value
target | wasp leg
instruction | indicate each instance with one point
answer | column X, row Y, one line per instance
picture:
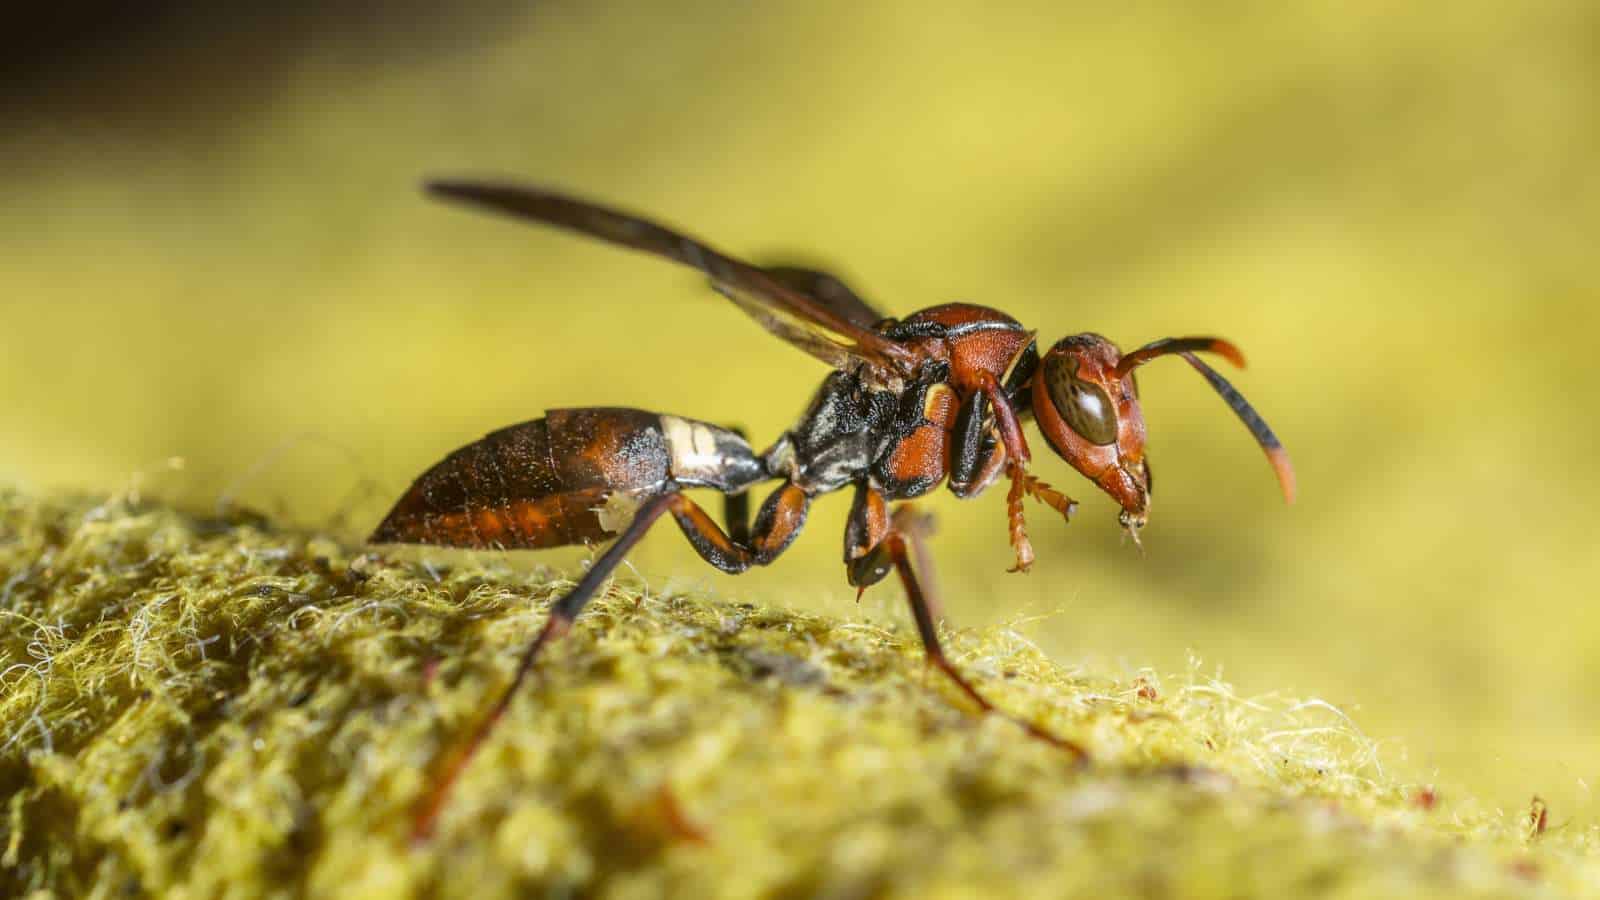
column 736, row 507
column 979, row 447
column 1023, row 484
column 973, row 448
column 1005, row 419
column 1041, row 491
column 905, row 540
column 864, row 531
column 736, row 512
column 562, row 615
column 777, row 526
column 1016, row 523
column 977, row 455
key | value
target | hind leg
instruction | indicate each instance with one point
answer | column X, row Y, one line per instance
column 562, row 615
column 778, row 524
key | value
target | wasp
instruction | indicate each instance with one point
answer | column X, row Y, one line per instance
column 938, row 397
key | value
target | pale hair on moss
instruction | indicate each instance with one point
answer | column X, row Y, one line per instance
column 197, row 706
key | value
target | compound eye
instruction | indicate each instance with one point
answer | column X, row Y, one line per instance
column 1084, row 406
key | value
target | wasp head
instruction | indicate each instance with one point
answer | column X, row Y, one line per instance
column 1086, row 402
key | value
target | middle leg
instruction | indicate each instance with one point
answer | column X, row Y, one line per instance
column 904, row 542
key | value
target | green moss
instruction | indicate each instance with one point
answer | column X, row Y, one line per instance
column 197, row 707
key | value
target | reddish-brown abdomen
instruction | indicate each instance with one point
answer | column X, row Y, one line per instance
column 571, row 477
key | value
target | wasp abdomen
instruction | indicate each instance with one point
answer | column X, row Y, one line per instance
column 574, row 476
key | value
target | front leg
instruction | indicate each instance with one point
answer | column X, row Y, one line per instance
column 976, row 456
column 1005, row 419
column 1016, row 524
column 1023, row 483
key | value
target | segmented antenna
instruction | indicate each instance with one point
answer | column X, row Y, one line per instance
column 1276, row 455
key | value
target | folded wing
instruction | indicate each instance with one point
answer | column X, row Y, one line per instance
column 833, row 328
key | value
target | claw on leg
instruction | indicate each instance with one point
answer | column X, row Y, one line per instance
column 1079, row 754
column 1025, row 484
column 1017, row 522
column 1048, row 495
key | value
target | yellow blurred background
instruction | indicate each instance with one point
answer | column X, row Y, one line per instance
column 214, row 249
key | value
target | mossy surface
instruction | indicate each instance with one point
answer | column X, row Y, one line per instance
column 202, row 707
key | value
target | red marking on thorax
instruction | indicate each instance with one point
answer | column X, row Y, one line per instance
column 925, row 452
column 991, row 345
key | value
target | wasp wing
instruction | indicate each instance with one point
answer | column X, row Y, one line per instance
column 830, row 330
column 830, row 291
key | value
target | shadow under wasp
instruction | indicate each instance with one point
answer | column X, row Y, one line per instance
column 937, row 397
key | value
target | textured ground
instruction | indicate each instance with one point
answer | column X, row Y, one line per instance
column 199, row 707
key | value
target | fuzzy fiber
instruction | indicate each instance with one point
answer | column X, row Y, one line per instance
column 203, row 707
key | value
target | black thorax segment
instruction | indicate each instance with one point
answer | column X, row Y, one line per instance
column 972, row 462
column 835, row 441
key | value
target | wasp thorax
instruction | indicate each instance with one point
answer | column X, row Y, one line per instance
column 1083, row 405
